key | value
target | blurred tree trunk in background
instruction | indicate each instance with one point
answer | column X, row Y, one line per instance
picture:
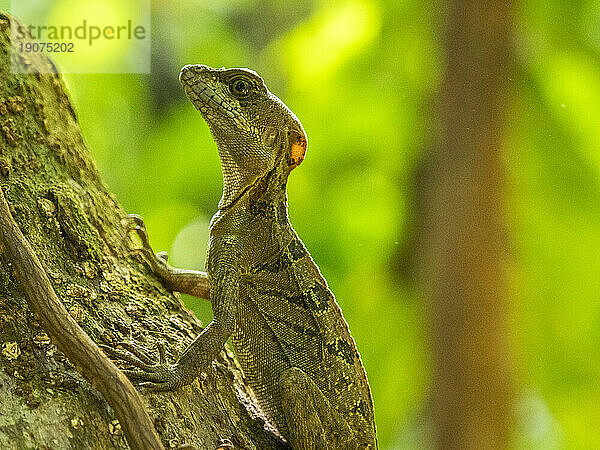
column 465, row 236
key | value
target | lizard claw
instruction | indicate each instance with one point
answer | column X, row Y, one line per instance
column 138, row 351
column 163, row 255
column 135, row 223
column 146, row 371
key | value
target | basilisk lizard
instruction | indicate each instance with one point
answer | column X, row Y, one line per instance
column 267, row 294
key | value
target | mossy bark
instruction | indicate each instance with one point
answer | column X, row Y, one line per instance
column 73, row 223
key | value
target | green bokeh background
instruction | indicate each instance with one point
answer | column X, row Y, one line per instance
column 361, row 76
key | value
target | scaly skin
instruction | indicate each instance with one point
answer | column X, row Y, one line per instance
column 267, row 294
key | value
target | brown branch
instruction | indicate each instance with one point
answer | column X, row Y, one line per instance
column 72, row 340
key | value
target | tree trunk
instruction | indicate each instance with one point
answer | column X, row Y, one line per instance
column 466, row 234
column 73, row 224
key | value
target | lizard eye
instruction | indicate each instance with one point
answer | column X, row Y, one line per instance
column 240, row 87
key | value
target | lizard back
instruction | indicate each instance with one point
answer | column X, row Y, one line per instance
column 303, row 327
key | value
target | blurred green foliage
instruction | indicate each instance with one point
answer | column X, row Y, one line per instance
column 361, row 76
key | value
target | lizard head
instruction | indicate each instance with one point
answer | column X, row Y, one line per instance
column 255, row 132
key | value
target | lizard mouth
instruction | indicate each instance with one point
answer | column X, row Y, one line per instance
column 195, row 81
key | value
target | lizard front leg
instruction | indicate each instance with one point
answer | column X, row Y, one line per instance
column 312, row 422
column 162, row 376
column 191, row 282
